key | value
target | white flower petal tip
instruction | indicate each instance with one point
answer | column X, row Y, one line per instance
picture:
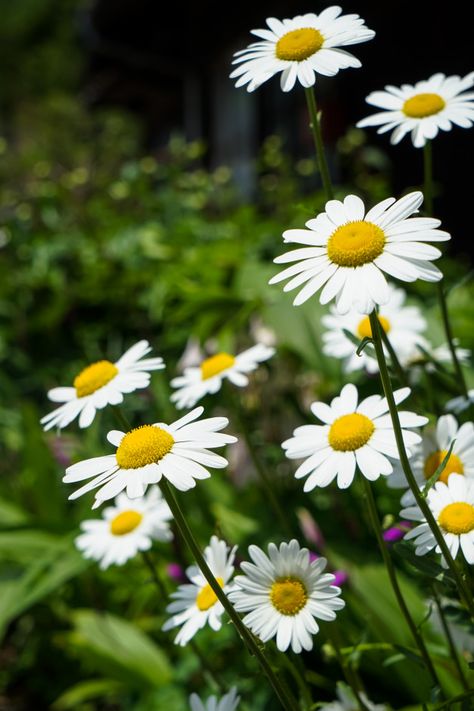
column 284, row 593
column 207, row 378
column 228, row 702
column 422, row 110
column 100, row 384
column 353, row 436
column 352, row 251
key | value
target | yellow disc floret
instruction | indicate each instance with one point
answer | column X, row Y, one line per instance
column 356, row 243
column 457, row 518
column 297, row 45
column 364, row 329
column 350, row 432
column 206, row 597
column 422, row 105
column 216, row 364
column 453, row 465
column 142, row 446
column 93, row 377
column 125, row 522
column 288, row 596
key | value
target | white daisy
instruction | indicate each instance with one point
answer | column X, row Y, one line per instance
column 439, row 354
column 403, row 324
column 351, row 435
column 179, row 452
column 348, row 250
column 100, row 384
column 423, row 109
column 126, row 528
column 228, row 702
column 283, row 593
column 300, row 48
column 346, row 701
column 452, row 505
column 427, row 456
column 459, row 404
column 196, row 604
column 208, row 377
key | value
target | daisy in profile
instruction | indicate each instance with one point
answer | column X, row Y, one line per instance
column 228, row 702
column 403, row 324
column 179, row 452
column 423, row 109
column 209, row 376
column 283, row 593
column 300, row 48
column 195, row 604
column 348, row 251
column 100, row 384
column 126, row 528
column 352, row 435
column 427, row 456
column 452, row 505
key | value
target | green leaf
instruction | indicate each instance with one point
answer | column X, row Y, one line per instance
column 11, row 515
column 87, row 691
column 425, row 565
column 433, row 479
column 235, row 526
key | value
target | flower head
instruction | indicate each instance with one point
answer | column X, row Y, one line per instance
column 179, row 452
column 403, row 324
column 209, row 376
column 283, row 593
column 452, row 505
column 423, row 109
column 351, row 435
column 100, row 384
column 195, row 604
column 228, row 702
column 125, row 528
column 348, row 250
column 300, row 48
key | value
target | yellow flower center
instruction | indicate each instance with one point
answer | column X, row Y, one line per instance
column 422, row 105
column 350, row 432
column 364, row 329
column 356, row 243
column 93, row 377
column 453, row 465
column 300, row 44
column 288, row 596
column 457, row 518
column 125, row 522
column 142, row 446
column 206, row 597
column 216, row 364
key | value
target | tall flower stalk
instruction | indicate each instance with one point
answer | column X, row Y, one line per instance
column 315, row 125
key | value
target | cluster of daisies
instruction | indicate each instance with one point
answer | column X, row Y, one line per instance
column 347, row 254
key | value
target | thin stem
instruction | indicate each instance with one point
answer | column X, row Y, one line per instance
column 154, row 574
column 428, row 195
column 393, row 357
column 422, row 504
column 121, row 419
column 205, row 665
column 349, row 673
column 315, row 125
column 394, row 582
column 286, row 701
column 449, row 637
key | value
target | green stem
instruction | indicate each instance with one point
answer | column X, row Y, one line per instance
column 121, row 419
column 428, row 195
column 286, row 701
column 349, row 675
column 401, row 374
column 315, row 126
column 449, row 704
column 420, row 500
column 154, row 574
column 394, row 582
column 447, row 632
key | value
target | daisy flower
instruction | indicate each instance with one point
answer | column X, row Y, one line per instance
column 100, row 384
column 403, row 324
column 228, row 702
column 209, row 376
column 459, row 404
column 351, row 435
column 452, row 505
column 179, row 452
column 300, row 48
column 283, row 592
column 434, row 446
column 125, row 528
column 423, row 109
column 348, row 250
column 195, row 604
